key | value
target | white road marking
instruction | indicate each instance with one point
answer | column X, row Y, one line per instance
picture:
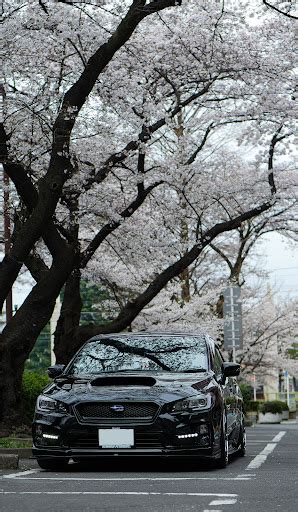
column 261, row 457
column 222, row 502
column 21, row 473
column 278, row 437
column 134, row 493
column 80, row 479
column 211, row 510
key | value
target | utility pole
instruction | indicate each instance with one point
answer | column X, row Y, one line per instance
column 254, row 385
column 232, row 313
column 287, row 382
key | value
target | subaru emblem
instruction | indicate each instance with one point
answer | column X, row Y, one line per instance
column 117, row 408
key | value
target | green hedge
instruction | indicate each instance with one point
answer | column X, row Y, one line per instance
column 285, row 406
column 253, row 405
column 33, row 384
column 275, row 407
column 247, row 393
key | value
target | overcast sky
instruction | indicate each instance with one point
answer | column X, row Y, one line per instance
column 282, row 262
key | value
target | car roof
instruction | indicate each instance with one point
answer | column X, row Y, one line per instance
column 149, row 333
column 209, row 340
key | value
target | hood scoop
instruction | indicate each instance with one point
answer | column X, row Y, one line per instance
column 124, row 381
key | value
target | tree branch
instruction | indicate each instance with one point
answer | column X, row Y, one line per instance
column 268, row 4
column 133, row 308
column 133, row 145
column 111, row 226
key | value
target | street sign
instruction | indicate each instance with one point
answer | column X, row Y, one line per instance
column 232, row 311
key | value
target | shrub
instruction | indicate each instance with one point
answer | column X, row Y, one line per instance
column 285, row 406
column 275, row 407
column 33, row 384
column 253, row 405
column 247, row 393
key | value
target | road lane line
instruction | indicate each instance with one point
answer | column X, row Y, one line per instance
column 278, row 437
column 243, row 477
column 133, row 493
column 222, row 502
column 261, row 457
column 21, row 473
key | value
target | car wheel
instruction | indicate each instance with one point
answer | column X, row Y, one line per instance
column 242, row 442
column 52, row 464
column 223, row 460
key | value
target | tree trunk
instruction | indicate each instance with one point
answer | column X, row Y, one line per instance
column 19, row 336
column 65, row 336
column 185, row 286
column 11, row 406
column 16, row 342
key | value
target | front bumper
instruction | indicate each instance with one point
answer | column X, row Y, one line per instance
column 68, row 438
column 133, row 452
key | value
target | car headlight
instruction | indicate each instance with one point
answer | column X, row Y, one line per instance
column 194, row 403
column 47, row 404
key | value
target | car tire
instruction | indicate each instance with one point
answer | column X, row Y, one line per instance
column 223, row 460
column 242, row 442
column 52, row 464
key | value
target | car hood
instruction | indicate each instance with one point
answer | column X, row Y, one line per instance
column 158, row 387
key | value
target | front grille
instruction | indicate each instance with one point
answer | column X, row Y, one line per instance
column 143, row 439
column 104, row 412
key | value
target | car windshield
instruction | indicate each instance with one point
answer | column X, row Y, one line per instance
column 141, row 353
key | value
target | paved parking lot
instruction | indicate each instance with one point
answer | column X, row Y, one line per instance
column 262, row 481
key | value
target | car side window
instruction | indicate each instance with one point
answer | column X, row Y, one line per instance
column 217, row 363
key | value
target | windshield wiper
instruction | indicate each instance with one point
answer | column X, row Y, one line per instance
column 193, row 370
column 124, row 370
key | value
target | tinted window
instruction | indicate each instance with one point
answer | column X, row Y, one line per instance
column 217, row 362
column 164, row 353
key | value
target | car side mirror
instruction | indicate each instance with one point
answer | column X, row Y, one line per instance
column 230, row 369
column 55, row 370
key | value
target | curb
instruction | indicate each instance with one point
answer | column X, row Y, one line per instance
column 21, row 453
column 9, row 461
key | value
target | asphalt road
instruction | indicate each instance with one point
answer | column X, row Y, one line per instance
column 264, row 480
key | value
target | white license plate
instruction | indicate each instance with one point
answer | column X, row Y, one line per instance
column 116, row 437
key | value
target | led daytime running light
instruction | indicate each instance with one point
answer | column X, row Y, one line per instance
column 50, row 436
column 185, row 436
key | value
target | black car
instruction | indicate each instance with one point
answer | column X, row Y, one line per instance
column 141, row 394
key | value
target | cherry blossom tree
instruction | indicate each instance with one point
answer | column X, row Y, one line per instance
column 288, row 9
column 56, row 116
column 111, row 137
